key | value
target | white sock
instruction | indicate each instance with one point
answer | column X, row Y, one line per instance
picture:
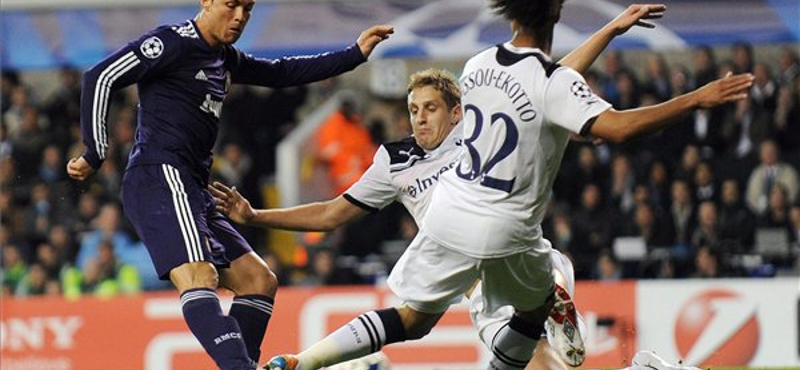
column 363, row 335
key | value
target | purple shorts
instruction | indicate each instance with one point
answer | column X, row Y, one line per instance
column 177, row 220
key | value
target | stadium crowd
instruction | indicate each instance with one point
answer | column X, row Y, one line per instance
column 715, row 196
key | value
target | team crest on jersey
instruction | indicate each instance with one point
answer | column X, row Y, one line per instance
column 152, row 47
column 581, row 90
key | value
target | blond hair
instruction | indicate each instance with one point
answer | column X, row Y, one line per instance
column 441, row 80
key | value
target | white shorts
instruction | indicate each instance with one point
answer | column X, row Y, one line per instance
column 429, row 277
column 488, row 323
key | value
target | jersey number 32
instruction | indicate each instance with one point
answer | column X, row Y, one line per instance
column 478, row 169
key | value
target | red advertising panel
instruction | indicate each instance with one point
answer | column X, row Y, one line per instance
column 148, row 332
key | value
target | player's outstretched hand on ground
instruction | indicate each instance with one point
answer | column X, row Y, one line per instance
column 231, row 203
column 637, row 15
column 373, row 36
column 79, row 169
column 727, row 89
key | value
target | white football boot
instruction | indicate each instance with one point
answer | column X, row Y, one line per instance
column 566, row 331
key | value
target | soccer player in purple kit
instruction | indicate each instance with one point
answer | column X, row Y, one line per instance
column 183, row 72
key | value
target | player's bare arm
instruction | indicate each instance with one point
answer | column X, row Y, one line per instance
column 621, row 126
column 318, row 216
column 373, row 36
column 582, row 58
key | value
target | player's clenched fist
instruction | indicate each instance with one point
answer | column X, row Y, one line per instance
column 79, row 169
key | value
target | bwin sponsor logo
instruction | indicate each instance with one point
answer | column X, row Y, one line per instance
column 211, row 106
column 420, row 185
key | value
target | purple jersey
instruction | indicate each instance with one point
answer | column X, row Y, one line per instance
column 182, row 82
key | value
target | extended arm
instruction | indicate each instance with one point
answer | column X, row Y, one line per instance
column 582, row 58
column 621, row 126
column 299, row 70
column 318, row 216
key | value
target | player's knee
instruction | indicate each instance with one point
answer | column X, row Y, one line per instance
column 265, row 282
column 195, row 275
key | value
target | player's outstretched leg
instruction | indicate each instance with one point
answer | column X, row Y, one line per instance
column 363, row 335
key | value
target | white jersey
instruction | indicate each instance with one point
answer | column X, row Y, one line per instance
column 402, row 171
column 519, row 111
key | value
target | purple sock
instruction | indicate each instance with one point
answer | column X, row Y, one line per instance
column 219, row 334
column 252, row 312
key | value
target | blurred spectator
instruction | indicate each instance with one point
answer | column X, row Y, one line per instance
column 680, row 80
column 736, row 223
column 574, row 179
column 326, row 271
column 52, row 263
column 766, row 175
column 682, row 212
column 102, row 275
column 658, row 185
column 593, row 230
column 345, row 146
column 704, row 186
column 743, row 59
column 38, row 215
column 51, row 169
column 33, row 283
column 657, row 75
column 705, row 65
column 689, row 161
column 788, row 65
column 613, row 62
column 623, row 180
column 62, row 241
column 233, row 165
column 608, row 268
column 707, row 263
column 18, row 101
column 14, row 267
column 87, row 208
column 777, row 212
column 28, row 144
column 650, row 227
column 628, row 90
column 105, row 229
column 764, row 97
column 707, row 230
column 63, row 106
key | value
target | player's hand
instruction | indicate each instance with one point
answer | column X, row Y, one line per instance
column 730, row 88
column 637, row 15
column 373, row 36
column 231, row 203
column 79, row 168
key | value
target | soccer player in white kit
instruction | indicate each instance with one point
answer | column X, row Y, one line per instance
column 520, row 109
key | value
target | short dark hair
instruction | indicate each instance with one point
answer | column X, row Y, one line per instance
column 530, row 14
column 439, row 79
